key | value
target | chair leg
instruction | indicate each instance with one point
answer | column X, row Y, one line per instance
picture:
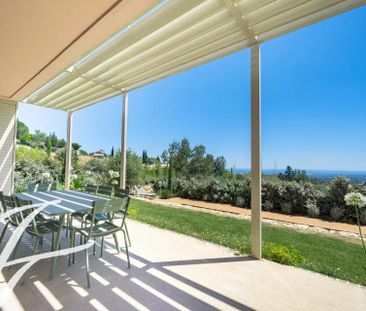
column 3, row 232
column 71, row 245
column 101, row 247
column 128, row 235
column 35, row 248
column 87, row 267
column 53, row 241
column 94, row 250
column 116, row 242
column 128, row 255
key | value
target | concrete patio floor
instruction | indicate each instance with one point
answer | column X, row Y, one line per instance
column 175, row 272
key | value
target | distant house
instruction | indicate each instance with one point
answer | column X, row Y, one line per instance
column 99, row 154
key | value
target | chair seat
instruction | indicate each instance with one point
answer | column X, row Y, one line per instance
column 99, row 230
column 44, row 227
column 98, row 217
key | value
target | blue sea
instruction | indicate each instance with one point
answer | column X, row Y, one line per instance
column 355, row 176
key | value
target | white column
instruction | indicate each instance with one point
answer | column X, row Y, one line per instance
column 123, row 141
column 68, row 150
column 256, row 170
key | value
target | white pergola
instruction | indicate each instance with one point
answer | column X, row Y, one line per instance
column 173, row 37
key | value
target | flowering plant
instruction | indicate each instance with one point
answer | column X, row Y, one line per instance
column 113, row 174
column 357, row 200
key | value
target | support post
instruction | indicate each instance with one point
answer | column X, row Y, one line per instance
column 256, row 170
column 123, row 141
column 68, row 151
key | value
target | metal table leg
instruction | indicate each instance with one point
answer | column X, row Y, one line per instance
column 57, row 244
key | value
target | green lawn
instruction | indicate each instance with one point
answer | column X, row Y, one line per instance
column 330, row 256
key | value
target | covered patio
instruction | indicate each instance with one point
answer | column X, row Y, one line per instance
column 115, row 48
column 194, row 276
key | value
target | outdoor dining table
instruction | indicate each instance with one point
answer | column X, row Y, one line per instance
column 70, row 202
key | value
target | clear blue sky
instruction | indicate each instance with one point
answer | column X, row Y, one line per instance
column 313, row 104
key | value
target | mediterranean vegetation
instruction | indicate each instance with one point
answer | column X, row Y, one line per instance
column 185, row 171
column 191, row 172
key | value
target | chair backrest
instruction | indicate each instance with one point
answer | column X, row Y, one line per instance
column 106, row 190
column 91, row 189
column 122, row 193
column 32, row 188
column 2, row 202
column 10, row 202
column 25, row 213
column 115, row 205
column 43, row 187
column 53, row 186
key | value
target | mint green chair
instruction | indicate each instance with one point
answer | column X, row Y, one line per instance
column 91, row 230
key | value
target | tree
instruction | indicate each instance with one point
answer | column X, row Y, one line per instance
column 144, row 157
column 219, row 166
column 39, row 139
column 134, row 169
column 288, row 175
column 23, row 134
column 53, row 139
column 165, row 157
column 22, row 129
column 48, row 146
column 112, row 152
column 182, row 157
column 76, row 146
column 61, row 143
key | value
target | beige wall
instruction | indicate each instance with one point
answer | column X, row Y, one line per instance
column 7, row 144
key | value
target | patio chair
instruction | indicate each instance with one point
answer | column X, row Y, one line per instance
column 38, row 228
column 122, row 193
column 92, row 189
column 92, row 230
column 32, row 188
column 8, row 203
column 53, row 186
column 43, row 187
column 105, row 190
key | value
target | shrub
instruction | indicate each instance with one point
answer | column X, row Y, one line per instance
column 336, row 212
column 338, row 188
column 312, row 208
column 282, row 254
column 286, row 207
column 268, row 205
column 363, row 216
column 240, row 202
column 166, row 194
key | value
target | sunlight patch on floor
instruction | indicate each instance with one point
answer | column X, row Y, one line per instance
column 97, row 305
column 161, row 296
column 46, row 293
column 133, row 302
column 215, row 303
column 99, row 278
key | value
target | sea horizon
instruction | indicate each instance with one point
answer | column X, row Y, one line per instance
column 354, row 175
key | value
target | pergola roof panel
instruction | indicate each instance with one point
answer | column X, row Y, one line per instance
column 175, row 37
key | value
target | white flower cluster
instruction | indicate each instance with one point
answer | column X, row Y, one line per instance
column 73, row 176
column 88, row 173
column 114, row 182
column 46, row 175
column 113, row 174
column 355, row 199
